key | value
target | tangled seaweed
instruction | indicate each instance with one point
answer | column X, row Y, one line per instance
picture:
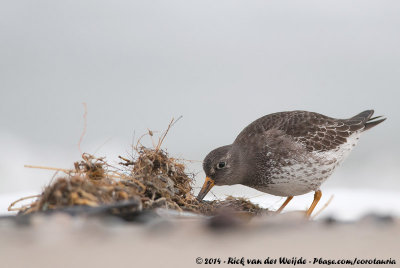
column 152, row 178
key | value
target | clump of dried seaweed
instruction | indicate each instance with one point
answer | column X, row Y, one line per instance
column 152, row 178
column 237, row 204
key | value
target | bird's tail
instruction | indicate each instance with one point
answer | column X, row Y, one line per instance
column 367, row 120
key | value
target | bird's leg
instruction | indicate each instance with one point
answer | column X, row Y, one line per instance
column 284, row 204
column 317, row 197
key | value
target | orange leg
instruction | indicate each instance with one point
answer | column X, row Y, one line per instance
column 284, row 204
column 317, row 197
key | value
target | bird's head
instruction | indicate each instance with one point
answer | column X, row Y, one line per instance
column 221, row 168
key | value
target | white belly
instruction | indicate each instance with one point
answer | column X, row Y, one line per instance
column 308, row 174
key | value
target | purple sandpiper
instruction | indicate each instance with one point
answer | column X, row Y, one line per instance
column 286, row 154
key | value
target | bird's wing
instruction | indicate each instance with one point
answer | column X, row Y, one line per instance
column 316, row 131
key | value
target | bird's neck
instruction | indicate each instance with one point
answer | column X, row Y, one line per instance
column 246, row 167
column 238, row 175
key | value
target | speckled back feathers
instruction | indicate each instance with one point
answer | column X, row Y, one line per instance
column 316, row 131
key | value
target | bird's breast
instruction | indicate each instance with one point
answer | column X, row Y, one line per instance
column 300, row 171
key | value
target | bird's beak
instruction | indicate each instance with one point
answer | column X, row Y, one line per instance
column 208, row 184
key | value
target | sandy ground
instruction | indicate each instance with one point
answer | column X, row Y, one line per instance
column 64, row 241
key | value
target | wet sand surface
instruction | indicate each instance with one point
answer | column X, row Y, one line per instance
column 61, row 240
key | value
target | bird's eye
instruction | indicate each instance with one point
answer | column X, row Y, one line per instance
column 221, row 165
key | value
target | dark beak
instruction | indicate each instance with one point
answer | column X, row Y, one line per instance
column 208, row 184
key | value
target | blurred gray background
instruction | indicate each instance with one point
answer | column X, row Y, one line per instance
column 220, row 64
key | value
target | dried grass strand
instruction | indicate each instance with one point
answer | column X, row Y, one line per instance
column 66, row 171
column 84, row 126
column 10, row 207
column 323, row 207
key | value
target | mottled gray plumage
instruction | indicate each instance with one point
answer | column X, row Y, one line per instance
column 287, row 153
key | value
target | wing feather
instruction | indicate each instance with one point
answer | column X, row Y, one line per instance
column 316, row 131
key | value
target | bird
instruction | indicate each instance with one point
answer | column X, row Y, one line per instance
column 286, row 154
